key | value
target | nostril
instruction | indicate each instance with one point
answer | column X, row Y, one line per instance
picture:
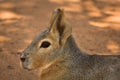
column 22, row 59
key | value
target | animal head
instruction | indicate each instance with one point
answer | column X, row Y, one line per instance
column 48, row 44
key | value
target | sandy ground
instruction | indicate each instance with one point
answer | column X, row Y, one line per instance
column 95, row 23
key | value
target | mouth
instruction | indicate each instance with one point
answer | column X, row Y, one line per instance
column 28, row 69
column 24, row 66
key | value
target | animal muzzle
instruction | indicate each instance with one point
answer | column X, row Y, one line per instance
column 24, row 61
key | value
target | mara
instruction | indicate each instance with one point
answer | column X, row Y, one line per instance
column 57, row 57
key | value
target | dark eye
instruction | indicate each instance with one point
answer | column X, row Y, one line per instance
column 45, row 44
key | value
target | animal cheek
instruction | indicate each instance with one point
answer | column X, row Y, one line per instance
column 36, row 61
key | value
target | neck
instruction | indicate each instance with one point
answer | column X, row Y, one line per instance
column 71, row 48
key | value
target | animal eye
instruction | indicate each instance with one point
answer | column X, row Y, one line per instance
column 45, row 44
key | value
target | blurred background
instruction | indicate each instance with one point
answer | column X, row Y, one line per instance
column 95, row 23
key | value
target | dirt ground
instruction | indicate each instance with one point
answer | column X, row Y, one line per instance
column 95, row 23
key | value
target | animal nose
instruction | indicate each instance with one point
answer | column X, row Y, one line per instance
column 22, row 59
column 23, row 56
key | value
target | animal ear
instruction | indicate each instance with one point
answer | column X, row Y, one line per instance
column 59, row 27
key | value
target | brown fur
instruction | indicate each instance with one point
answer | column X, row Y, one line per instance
column 63, row 60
